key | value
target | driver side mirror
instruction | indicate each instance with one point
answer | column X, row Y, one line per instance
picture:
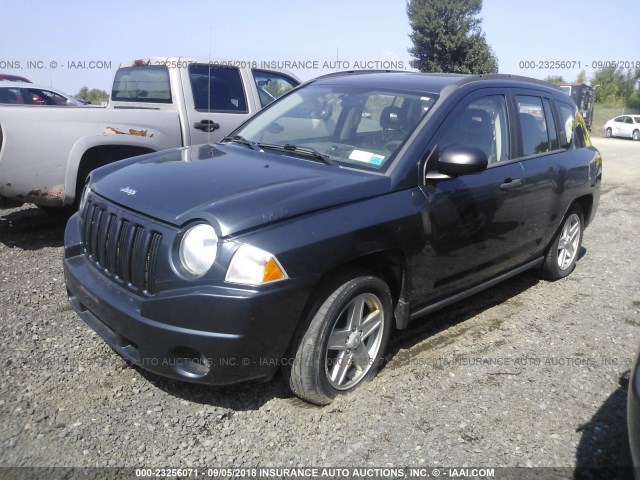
column 457, row 160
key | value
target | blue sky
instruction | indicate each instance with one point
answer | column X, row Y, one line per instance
column 583, row 31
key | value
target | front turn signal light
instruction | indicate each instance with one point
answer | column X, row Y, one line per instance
column 253, row 266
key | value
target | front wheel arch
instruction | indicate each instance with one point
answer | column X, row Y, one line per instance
column 99, row 156
column 306, row 369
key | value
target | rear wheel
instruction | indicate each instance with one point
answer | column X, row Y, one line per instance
column 608, row 133
column 563, row 252
column 636, row 135
column 345, row 341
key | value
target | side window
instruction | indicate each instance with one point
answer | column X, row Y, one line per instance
column 10, row 96
column 482, row 124
column 45, row 97
column 568, row 123
column 533, row 125
column 551, row 125
column 217, row 88
column 619, row 119
column 628, row 120
column 271, row 85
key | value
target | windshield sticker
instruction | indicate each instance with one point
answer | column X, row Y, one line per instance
column 368, row 157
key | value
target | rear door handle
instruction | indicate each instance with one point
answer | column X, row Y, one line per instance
column 511, row 183
column 206, row 125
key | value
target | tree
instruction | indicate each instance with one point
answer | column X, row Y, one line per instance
column 447, row 37
column 95, row 96
column 615, row 86
column 582, row 77
column 555, row 79
column 609, row 83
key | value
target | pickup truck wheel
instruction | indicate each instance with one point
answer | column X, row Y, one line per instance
column 608, row 133
column 563, row 253
column 345, row 341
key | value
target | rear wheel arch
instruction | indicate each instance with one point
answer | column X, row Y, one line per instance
column 586, row 204
column 563, row 252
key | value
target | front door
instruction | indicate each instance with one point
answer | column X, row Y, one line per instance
column 472, row 221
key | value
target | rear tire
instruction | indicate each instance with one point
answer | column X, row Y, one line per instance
column 346, row 339
column 562, row 255
column 636, row 135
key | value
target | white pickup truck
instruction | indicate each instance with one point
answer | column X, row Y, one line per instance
column 46, row 152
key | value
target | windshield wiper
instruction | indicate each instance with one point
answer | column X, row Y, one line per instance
column 240, row 139
column 312, row 152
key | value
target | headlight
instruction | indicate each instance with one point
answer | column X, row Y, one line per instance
column 253, row 266
column 198, row 249
column 83, row 198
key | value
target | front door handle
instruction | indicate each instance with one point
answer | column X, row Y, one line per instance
column 511, row 183
column 206, row 125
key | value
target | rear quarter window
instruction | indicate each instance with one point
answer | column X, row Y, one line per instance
column 574, row 132
column 146, row 83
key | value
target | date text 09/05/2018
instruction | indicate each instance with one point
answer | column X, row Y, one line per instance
column 570, row 64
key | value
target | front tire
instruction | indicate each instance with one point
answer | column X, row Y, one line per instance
column 346, row 339
column 608, row 133
column 562, row 255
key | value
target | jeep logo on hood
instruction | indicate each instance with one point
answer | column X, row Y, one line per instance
column 129, row 191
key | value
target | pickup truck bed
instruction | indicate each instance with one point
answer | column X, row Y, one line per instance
column 46, row 152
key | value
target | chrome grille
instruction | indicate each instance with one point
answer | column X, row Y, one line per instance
column 122, row 247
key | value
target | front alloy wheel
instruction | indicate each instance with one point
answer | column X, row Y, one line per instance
column 345, row 341
column 354, row 341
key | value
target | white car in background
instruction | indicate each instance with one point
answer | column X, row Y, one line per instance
column 623, row 126
column 14, row 93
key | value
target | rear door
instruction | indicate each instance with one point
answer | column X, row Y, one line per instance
column 618, row 126
column 628, row 126
column 216, row 101
column 552, row 148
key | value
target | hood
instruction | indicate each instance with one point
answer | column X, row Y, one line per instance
column 231, row 186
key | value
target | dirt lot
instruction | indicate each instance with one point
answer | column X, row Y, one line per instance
column 529, row 373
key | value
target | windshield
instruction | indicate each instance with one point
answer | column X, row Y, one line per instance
column 354, row 126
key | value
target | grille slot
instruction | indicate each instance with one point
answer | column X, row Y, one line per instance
column 125, row 249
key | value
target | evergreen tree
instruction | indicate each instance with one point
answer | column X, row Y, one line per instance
column 447, row 37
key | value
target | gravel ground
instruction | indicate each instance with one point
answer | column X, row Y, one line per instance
column 529, row 373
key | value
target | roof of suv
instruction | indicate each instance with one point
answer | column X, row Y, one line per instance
column 428, row 82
